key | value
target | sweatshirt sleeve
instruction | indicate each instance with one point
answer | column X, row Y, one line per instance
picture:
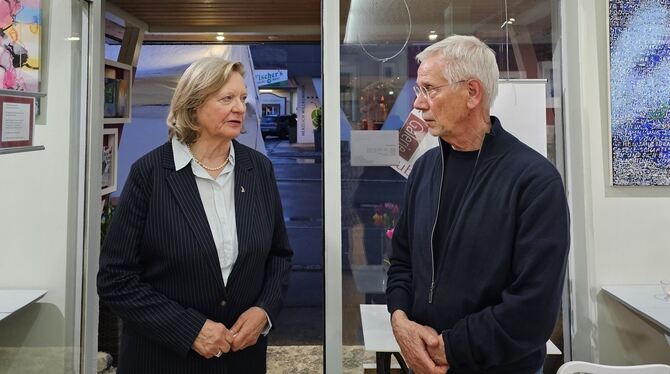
column 525, row 317
column 399, row 283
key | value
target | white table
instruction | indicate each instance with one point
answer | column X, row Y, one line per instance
column 13, row 300
column 642, row 299
column 378, row 336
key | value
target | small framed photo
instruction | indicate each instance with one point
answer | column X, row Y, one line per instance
column 110, row 155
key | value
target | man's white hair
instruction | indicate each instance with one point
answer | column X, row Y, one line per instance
column 467, row 58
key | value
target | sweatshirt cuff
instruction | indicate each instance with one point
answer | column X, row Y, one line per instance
column 457, row 349
column 448, row 351
column 399, row 300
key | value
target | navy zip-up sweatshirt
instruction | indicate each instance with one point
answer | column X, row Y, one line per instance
column 495, row 290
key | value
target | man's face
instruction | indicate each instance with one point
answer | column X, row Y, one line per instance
column 445, row 106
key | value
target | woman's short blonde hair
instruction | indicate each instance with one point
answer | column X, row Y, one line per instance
column 202, row 79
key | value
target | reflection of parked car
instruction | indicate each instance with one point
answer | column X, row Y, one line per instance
column 275, row 125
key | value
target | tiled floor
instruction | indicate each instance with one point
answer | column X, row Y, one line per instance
column 308, row 359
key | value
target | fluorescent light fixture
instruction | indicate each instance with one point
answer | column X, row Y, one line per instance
column 220, row 38
column 73, row 38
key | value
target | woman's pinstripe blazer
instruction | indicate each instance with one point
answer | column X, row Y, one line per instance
column 159, row 269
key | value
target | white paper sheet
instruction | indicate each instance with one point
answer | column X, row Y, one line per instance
column 374, row 148
column 15, row 122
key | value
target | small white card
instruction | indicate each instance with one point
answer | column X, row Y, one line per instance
column 15, row 122
column 374, row 148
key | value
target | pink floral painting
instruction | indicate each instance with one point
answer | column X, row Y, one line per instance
column 20, row 50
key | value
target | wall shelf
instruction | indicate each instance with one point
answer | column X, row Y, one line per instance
column 5, row 151
column 112, row 120
column 22, row 93
column 118, row 92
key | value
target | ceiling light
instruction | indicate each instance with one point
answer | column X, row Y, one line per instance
column 72, row 38
column 220, row 38
column 219, row 33
column 508, row 22
column 432, row 37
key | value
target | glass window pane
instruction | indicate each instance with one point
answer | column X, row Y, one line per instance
column 377, row 72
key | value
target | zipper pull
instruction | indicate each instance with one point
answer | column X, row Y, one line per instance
column 430, row 293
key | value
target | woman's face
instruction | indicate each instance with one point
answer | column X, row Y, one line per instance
column 222, row 114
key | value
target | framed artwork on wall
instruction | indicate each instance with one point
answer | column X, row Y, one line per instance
column 110, row 156
column 639, row 77
column 20, row 56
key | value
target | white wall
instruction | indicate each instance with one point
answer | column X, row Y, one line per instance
column 35, row 214
column 620, row 235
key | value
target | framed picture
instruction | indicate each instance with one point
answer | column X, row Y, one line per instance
column 20, row 58
column 110, row 156
column 639, row 57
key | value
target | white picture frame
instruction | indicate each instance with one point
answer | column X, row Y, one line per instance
column 110, row 158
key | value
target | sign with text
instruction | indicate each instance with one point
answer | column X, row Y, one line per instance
column 17, row 119
column 276, row 78
column 374, row 148
column 413, row 141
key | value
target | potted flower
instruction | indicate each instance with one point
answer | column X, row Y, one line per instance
column 317, row 120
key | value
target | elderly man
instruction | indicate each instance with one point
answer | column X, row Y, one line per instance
column 480, row 249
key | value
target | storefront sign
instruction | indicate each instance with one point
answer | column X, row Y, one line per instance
column 275, row 78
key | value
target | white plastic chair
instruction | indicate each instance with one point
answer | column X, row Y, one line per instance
column 574, row 367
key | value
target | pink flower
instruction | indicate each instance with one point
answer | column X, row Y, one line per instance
column 389, row 233
column 9, row 80
column 386, row 215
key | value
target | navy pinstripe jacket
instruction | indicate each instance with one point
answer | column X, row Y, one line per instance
column 160, row 273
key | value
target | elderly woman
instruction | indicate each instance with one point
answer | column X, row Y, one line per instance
column 196, row 260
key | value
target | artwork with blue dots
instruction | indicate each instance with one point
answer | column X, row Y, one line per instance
column 640, row 91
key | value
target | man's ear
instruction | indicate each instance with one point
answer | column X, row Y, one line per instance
column 475, row 93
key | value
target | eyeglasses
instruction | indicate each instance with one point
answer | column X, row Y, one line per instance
column 427, row 93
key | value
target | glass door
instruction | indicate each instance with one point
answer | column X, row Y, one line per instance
column 369, row 49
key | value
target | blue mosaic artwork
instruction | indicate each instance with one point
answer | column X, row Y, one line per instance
column 640, row 91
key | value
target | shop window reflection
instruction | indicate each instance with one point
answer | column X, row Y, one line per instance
column 376, row 96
